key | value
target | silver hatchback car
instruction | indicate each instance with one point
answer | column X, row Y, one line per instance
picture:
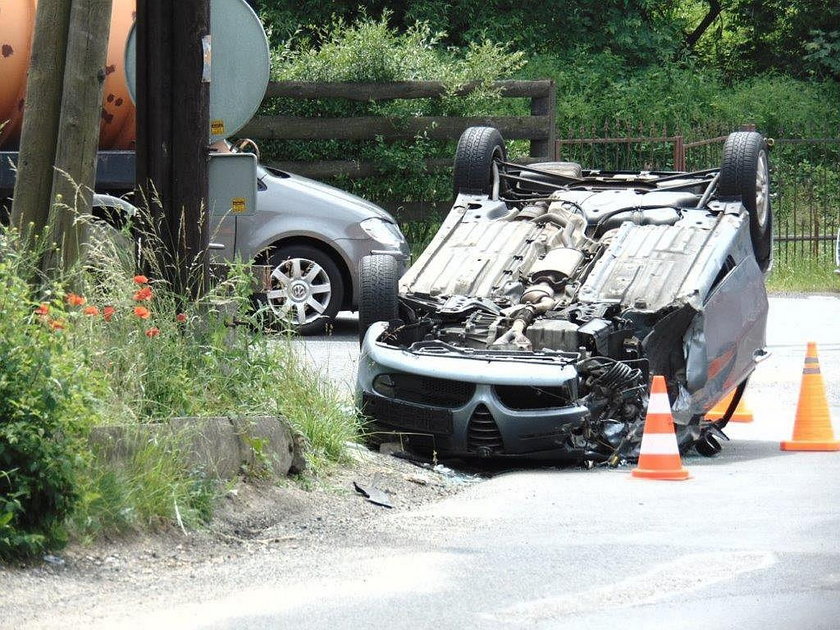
column 305, row 241
column 309, row 237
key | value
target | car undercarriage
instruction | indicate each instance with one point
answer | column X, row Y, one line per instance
column 532, row 323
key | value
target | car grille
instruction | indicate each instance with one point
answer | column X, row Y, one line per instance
column 407, row 417
column 482, row 432
column 524, row 397
column 426, row 390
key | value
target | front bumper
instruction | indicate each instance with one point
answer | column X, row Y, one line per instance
column 470, row 407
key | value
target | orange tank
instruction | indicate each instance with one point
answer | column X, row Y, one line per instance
column 17, row 23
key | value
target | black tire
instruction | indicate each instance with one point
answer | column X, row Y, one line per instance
column 308, row 303
column 378, row 291
column 707, row 445
column 745, row 175
column 477, row 149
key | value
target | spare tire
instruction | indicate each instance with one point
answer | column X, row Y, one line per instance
column 378, row 291
column 478, row 148
column 745, row 175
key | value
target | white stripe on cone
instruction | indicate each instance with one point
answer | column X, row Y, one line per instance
column 659, row 444
column 659, row 404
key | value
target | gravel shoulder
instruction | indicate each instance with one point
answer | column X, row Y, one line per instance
column 288, row 519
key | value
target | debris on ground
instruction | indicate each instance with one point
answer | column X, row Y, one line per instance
column 373, row 494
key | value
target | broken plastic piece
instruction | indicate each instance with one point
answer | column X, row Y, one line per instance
column 374, row 494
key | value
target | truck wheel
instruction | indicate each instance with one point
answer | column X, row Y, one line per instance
column 477, row 149
column 306, row 288
column 745, row 174
column 378, row 291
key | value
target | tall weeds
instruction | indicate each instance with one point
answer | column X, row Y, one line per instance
column 100, row 344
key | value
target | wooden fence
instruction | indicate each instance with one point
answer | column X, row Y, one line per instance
column 538, row 127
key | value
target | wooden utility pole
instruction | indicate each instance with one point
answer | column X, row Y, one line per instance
column 33, row 184
column 172, row 136
column 75, row 161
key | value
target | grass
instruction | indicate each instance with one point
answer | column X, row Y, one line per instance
column 150, row 489
column 139, row 354
column 803, row 275
column 316, row 410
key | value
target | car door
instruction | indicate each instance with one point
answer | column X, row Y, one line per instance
column 734, row 324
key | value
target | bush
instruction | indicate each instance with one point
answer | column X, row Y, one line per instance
column 371, row 51
column 124, row 349
column 46, row 397
column 594, row 90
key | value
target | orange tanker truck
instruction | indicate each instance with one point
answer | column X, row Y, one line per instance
column 17, row 23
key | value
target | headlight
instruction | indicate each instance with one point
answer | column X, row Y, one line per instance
column 383, row 232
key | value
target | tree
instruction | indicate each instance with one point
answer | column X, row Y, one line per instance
column 798, row 37
column 57, row 163
column 639, row 29
column 74, row 176
column 42, row 110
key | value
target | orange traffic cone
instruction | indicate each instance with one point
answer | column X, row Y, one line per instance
column 812, row 426
column 742, row 412
column 659, row 457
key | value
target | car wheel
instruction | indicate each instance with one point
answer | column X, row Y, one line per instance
column 477, row 149
column 707, row 445
column 306, row 288
column 378, row 291
column 745, row 173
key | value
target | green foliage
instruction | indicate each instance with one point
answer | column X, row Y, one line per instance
column 781, row 106
column 126, row 350
column 796, row 37
column 370, row 50
column 684, row 97
column 46, row 393
column 638, row 29
column 824, row 51
column 419, row 234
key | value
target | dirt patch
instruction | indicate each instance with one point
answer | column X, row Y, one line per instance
column 254, row 515
column 331, row 508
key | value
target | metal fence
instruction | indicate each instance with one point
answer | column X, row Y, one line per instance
column 805, row 176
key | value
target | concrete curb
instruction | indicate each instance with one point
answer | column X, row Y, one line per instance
column 220, row 447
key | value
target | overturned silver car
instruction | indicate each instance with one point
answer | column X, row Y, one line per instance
column 534, row 320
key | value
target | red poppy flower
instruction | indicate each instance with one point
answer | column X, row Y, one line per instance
column 90, row 310
column 143, row 294
column 56, row 324
column 76, row 300
column 42, row 310
column 152, row 332
column 141, row 279
column 142, row 312
column 181, row 317
column 108, row 313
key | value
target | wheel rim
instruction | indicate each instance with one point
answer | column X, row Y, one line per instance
column 762, row 190
column 300, row 291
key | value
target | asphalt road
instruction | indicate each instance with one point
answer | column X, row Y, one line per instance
column 749, row 542
column 752, row 540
